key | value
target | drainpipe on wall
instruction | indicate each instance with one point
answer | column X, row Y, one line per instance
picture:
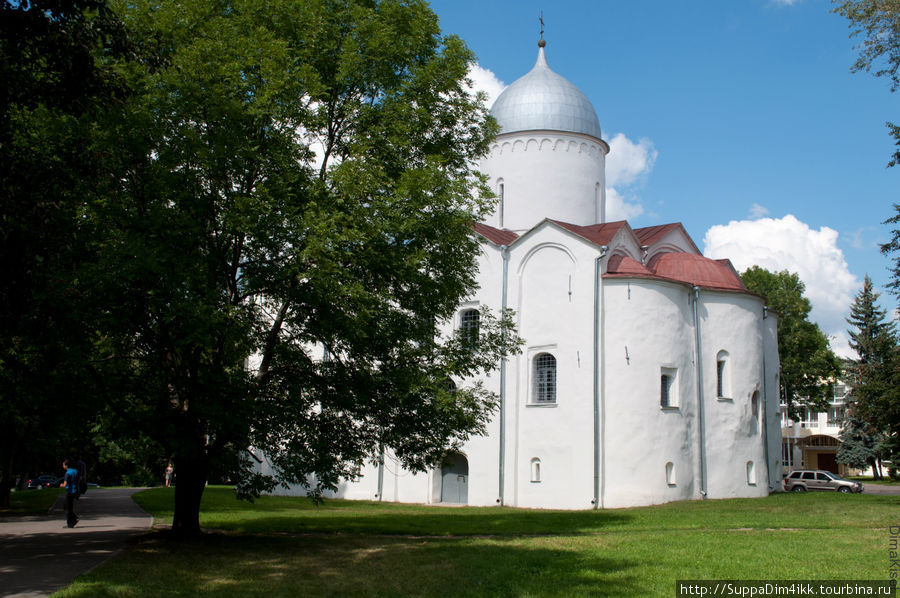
column 765, row 402
column 701, row 424
column 381, row 475
column 504, row 252
column 598, row 452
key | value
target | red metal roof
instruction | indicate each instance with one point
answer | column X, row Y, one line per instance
column 497, row 236
column 698, row 271
column 649, row 235
column 622, row 265
column 599, row 234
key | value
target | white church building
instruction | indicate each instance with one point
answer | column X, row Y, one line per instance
column 649, row 373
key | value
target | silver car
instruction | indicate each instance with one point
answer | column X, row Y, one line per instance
column 816, row 479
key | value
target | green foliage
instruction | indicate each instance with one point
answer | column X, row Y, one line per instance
column 50, row 100
column 891, row 249
column 245, row 293
column 866, row 436
column 873, row 336
column 123, row 458
column 31, row 502
column 882, row 405
column 878, row 22
column 808, row 366
column 860, row 448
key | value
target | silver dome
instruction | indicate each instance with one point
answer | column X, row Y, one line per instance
column 542, row 99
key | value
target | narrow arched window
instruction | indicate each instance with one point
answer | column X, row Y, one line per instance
column 665, row 387
column 501, row 192
column 668, row 396
column 754, row 404
column 723, row 388
column 536, row 470
column 670, row 473
column 751, row 473
column 468, row 325
column 544, row 378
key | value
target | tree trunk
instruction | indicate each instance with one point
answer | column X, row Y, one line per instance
column 190, row 481
column 7, row 481
column 872, row 463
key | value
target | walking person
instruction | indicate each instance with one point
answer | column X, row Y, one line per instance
column 170, row 475
column 71, row 485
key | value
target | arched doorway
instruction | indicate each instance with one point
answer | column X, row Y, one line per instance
column 455, row 479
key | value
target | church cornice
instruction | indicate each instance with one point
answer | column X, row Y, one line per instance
column 556, row 139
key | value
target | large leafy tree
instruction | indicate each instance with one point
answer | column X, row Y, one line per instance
column 878, row 22
column 808, row 366
column 284, row 227
column 52, row 95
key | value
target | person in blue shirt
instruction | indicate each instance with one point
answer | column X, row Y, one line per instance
column 71, row 485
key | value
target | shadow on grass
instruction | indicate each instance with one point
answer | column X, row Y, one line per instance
column 297, row 515
column 218, row 565
column 435, row 522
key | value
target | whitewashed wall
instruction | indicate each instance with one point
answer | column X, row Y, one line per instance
column 547, row 174
column 734, row 437
column 647, row 325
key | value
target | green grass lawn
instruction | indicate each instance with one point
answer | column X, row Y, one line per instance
column 289, row 547
column 31, row 502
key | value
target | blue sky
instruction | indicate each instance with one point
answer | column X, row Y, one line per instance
column 739, row 119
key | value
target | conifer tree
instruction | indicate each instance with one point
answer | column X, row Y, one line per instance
column 873, row 337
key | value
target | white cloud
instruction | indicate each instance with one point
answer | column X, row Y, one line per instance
column 758, row 211
column 486, row 81
column 627, row 164
column 628, row 161
column 789, row 244
column 863, row 238
column 618, row 208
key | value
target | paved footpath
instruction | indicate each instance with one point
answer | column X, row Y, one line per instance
column 40, row 555
column 880, row 489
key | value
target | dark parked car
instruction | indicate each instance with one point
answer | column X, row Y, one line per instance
column 816, row 479
column 44, row 481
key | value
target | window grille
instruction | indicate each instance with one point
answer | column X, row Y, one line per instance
column 544, row 378
column 665, row 385
column 469, row 325
column 720, row 378
column 835, row 417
